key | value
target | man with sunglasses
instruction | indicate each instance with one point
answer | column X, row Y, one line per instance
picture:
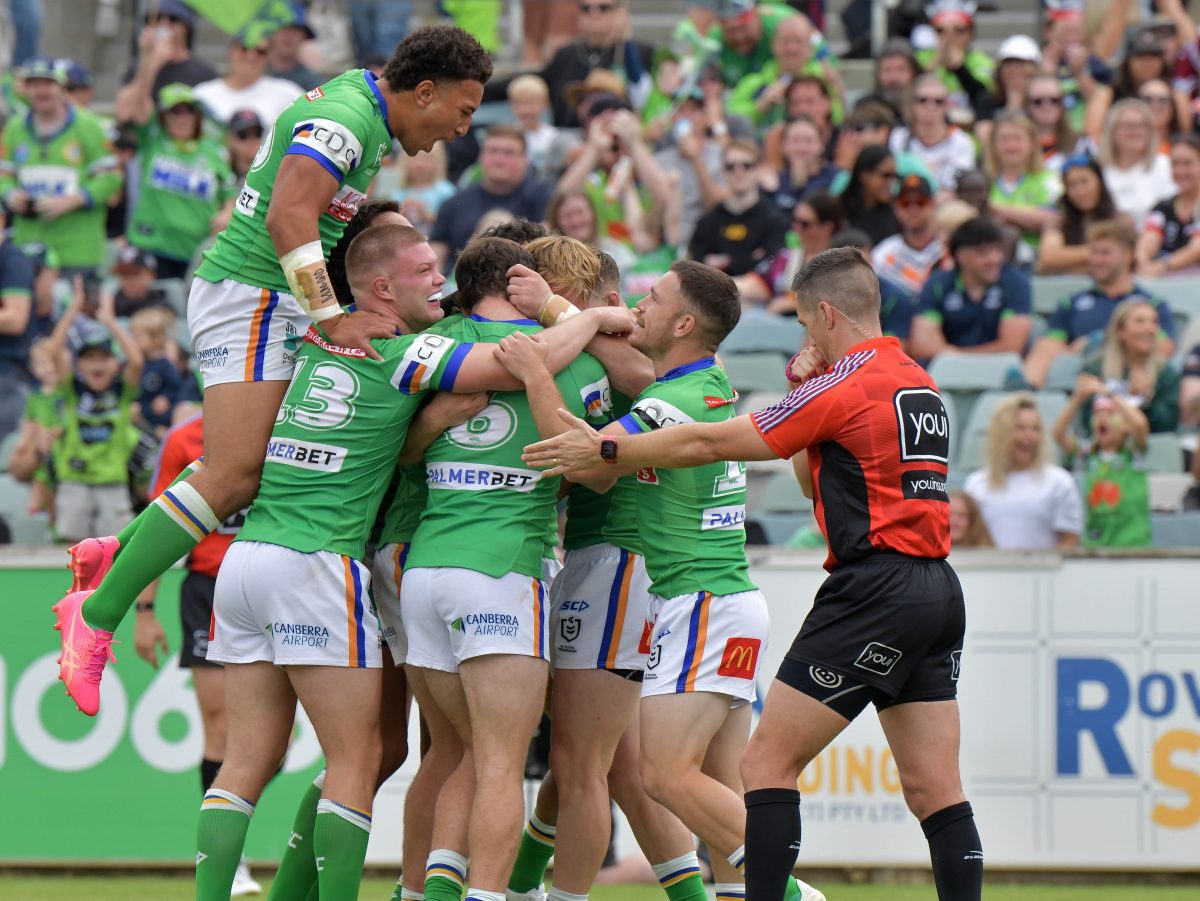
column 247, row 85
column 165, row 50
column 966, row 72
column 909, row 257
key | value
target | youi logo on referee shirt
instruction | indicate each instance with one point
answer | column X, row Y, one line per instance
column 923, row 426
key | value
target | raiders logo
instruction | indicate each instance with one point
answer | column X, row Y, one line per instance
column 568, row 627
column 655, row 657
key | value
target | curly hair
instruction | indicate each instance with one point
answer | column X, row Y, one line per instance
column 437, row 53
column 482, row 269
column 520, row 230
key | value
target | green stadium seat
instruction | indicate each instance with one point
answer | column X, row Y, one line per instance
column 973, row 372
column 1175, row 530
column 1048, row 290
column 755, row 371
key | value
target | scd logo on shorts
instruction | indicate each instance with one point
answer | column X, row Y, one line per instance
column 923, row 425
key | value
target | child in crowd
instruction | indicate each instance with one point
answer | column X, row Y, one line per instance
column 91, row 454
column 1116, row 486
column 153, row 329
column 529, row 101
column 50, row 364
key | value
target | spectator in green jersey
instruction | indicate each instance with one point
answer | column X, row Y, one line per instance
column 186, row 188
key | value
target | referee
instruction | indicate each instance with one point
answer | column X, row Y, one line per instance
column 887, row 625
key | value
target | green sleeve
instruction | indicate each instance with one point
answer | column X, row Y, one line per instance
column 1163, row 410
column 102, row 172
column 8, row 168
column 741, row 99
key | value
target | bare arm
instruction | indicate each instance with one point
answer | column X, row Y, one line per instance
column 1139, row 425
column 927, row 339
column 14, row 313
column 1056, row 257
column 1064, row 436
column 1097, row 108
column 1031, row 219
column 26, row 456
column 1012, row 337
column 803, row 473
column 135, row 101
column 1108, row 38
column 134, row 360
column 443, row 412
column 1067, row 541
column 1149, row 243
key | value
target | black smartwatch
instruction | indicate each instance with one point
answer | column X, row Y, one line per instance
column 608, row 450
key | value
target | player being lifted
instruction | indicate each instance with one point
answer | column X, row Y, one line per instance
column 292, row 619
column 711, row 624
column 887, row 625
column 251, row 302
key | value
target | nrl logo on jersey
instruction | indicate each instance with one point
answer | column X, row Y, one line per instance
column 314, row 94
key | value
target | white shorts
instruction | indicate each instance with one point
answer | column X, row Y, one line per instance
column 244, row 334
column 451, row 615
column 81, row 510
column 600, row 606
column 707, row 642
column 387, row 572
column 550, row 569
column 292, row 609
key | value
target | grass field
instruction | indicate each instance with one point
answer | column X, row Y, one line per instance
column 106, row 888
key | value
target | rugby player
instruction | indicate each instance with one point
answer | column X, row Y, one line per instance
column 887, row 626
column 711, row 623
column 291, row 617
column 253, row 297
column 599, row 638
column 473, row 603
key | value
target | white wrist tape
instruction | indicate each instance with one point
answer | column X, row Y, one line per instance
column 300, row 258
column 556, row 310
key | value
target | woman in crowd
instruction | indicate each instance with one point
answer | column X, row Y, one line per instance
column 1023, row 193
column 1170, row 238
column 930, row 137
column 1131, row 362
column 868, row 199
column 1044, row 106
column 805, row 168
column 1018, row 59
column 815, row 220
column 967, row 528
column 1085, row 200
column 1137, row 175
column 1144, row 61
column 186, row 188
column 1157, row 95
column 1027, row 502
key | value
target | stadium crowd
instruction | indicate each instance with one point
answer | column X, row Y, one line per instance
column 965, row 177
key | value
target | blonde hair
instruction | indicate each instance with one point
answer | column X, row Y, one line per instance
column 991, row 160
column 1106, row 152
column 528, row 84
column 998, row 453
column 155, row 322
column 977, row 534
column 568, row 266
column 1113, row 364
column 953, row 213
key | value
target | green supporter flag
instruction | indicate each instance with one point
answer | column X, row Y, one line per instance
column 232, row 16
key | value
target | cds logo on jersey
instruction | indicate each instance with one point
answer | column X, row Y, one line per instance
column 314, row 94
column 924, row 484
column 878, row 658
column 731, row 517
column 345, row 203
column 503, row 625
column 475, row 477
column 740, row 658
column 923, row 425
column 330, row 141
column 305, row 454
column 596, row 397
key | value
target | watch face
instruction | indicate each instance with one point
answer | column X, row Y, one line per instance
column 608, row 449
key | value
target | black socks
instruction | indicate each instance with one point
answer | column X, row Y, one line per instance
column 956, row 853
column 772, row 841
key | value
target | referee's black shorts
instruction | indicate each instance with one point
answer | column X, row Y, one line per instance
column 195, row 618
column 886, row 629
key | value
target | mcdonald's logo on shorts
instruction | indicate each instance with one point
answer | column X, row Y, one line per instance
column 740, row 658
column 644, row 643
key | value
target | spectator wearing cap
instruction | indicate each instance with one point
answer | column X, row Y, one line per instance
column 247, row 84
column 1084, row 201
column 1079, row 320
column 929, row 136
column 283, row 55
column 796, row 49
column 165, row 48
column 1144, row 61
column 16, row 316
column 1170, row 238
column 979, row 306
column 57, row 171
column 505, row 183
column 602, row 44
column 136, row 271
column 746, row 31
column 185, row 186
column 79, row 83
column 242, row 141
column 909, row 257
column 1137, row 174
column 745, row 229
column 966, row 71
column 1024, row 194
column 1066, row 58
column 1017, row 61
column 693, row 156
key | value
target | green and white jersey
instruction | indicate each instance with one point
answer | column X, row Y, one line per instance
column 605, row 518
column 692, row 521
column 343, row 126
column 337, row 436
column 487, row 510
column 183, row 185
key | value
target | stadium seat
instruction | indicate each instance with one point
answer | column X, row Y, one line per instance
column 973, row 440
column 783, row 495
column 14, row 501
column 1163, row 453
column 1167, row 490
column 7, row 445
column 1175, row 530
column 755, row 371
column 1063, row 372
column 973, row 372
column 1179, row 293
column 764, row 332
column 1048, row 290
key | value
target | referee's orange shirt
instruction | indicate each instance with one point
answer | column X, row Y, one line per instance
column 878, row 443
column 184, row 444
